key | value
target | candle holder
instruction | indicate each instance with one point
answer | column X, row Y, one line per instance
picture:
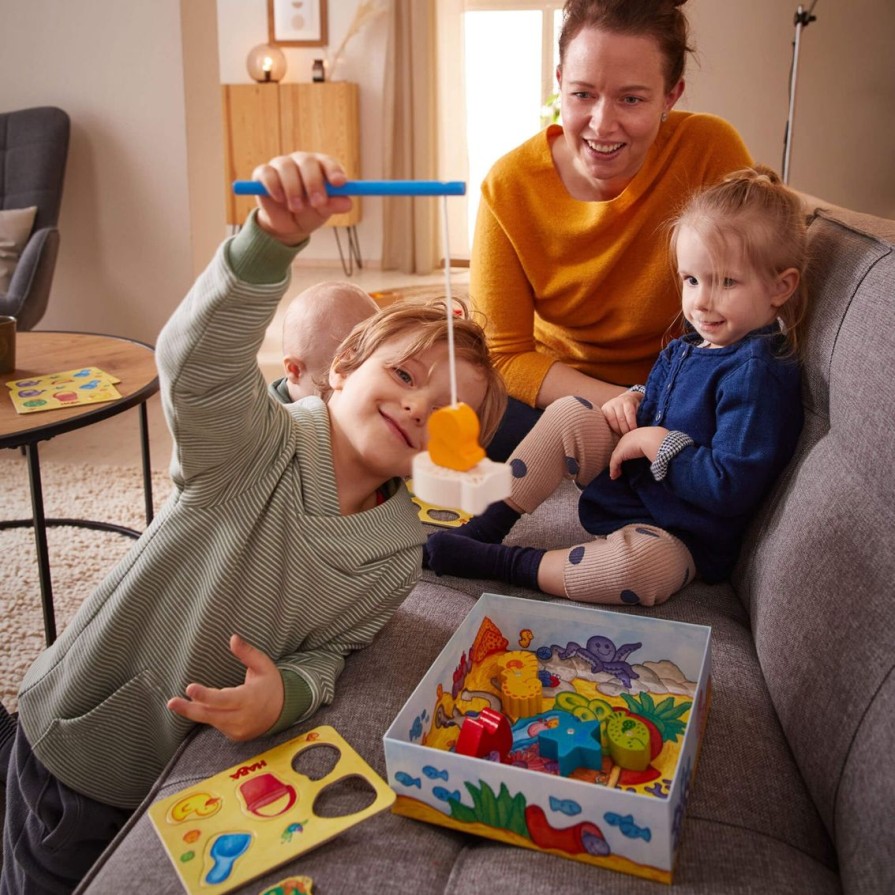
column 266, row 64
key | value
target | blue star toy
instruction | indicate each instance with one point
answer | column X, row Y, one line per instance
column 573, row 744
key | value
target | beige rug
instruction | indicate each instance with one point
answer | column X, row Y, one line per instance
column 79, row 558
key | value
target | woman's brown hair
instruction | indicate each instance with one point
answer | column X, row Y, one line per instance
column 662, row 20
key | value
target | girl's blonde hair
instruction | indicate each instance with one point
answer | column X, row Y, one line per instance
column 428, row 320
column 766, row 219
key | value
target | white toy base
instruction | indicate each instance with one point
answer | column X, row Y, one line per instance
column 470, row 491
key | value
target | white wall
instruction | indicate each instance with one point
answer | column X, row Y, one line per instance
column 134, row 224
column 843, row 139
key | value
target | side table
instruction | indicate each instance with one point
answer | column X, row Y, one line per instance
column 41, row 353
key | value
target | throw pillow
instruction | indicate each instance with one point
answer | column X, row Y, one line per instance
column 15, row 228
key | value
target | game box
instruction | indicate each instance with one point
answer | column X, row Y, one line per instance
column 558, row 727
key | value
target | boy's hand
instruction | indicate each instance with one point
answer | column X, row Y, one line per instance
column 643, row 442
column 620, row 412
column 297, row 202
column 240, row 713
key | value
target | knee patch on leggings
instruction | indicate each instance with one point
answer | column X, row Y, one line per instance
column 572, row 439
column 636, row 565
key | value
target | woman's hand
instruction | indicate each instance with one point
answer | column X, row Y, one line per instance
column 621, row 412
column 297, row 202
column 243, row 712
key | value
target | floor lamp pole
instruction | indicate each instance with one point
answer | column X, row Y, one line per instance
column 801, row 20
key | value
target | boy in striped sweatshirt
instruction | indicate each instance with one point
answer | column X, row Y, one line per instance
column 288, row 542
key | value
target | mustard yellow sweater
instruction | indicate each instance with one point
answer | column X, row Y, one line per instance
column 589, row 284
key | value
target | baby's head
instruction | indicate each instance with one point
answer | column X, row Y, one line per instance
column 750, row 222
column 316, row 322
column 421, row 325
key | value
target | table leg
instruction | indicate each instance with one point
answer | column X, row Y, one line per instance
column 147, row 466
column 40, row 539
column 354, row 256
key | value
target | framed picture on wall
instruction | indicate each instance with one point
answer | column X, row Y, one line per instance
column 297, row 23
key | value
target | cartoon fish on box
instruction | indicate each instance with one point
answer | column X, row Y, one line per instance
column 434, row 773
column 446, row 795
column 626, row 825
column 566, row 806
column 406, row 780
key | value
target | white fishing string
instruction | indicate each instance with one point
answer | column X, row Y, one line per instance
column 449, row 300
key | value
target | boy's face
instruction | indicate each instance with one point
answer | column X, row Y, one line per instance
column 380, row 411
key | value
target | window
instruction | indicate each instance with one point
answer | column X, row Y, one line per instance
column 509, row 53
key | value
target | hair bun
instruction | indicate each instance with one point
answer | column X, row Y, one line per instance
column 757, row 174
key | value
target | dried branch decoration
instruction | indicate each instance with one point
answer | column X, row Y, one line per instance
column 367, row 12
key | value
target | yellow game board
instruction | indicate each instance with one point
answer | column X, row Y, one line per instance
column 226, row 830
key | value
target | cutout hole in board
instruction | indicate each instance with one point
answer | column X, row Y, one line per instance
column 316, row 762
column 344, row 797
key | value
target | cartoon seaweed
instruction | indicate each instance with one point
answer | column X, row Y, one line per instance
column 665, row 716
column 502, row 810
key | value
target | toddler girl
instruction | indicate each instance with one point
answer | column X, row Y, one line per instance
column 672, row 471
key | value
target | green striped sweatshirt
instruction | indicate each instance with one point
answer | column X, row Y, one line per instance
column 251, row 541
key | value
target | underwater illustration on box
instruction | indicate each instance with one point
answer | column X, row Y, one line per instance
column 575, row 747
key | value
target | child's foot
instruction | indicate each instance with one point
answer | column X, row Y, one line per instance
column 492, row 526
column 448, row 553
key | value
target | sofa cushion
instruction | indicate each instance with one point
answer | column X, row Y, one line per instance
column 15, row 228
column 817, row 569
column 732, row 822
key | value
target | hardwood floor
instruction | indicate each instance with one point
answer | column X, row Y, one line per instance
column 115, row 442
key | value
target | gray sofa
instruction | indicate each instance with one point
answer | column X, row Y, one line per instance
column 795, row 788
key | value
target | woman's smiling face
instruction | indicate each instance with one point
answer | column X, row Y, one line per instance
column 613, row 96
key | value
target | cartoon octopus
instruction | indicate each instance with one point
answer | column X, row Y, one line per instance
column 601, row 653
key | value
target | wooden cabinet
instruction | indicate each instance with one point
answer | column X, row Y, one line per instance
column 264, row 120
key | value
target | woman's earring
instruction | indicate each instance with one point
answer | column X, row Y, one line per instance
column 664, row 116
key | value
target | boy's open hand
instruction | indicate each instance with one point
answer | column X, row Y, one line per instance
column 297, row 202
column 240, row 713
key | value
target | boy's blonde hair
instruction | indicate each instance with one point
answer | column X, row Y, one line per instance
column 428, row 319
column 766, row 219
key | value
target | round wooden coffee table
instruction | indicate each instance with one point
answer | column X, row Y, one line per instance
column 43, row 353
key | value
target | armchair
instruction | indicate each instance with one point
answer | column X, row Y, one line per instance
column 33, row 152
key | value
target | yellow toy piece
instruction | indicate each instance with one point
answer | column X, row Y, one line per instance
column 292, row 885
column 521, row 691
column 454, row 438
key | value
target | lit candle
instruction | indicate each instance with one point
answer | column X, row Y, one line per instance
column 266, row 67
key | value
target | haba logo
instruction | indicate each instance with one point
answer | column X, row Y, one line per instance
column 247, row 769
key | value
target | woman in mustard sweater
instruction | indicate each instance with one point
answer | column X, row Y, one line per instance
column 569, row 264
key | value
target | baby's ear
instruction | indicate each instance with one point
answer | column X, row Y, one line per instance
column 784, row 286
column 294, row 369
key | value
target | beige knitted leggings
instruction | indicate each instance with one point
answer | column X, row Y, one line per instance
column 638, row 564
